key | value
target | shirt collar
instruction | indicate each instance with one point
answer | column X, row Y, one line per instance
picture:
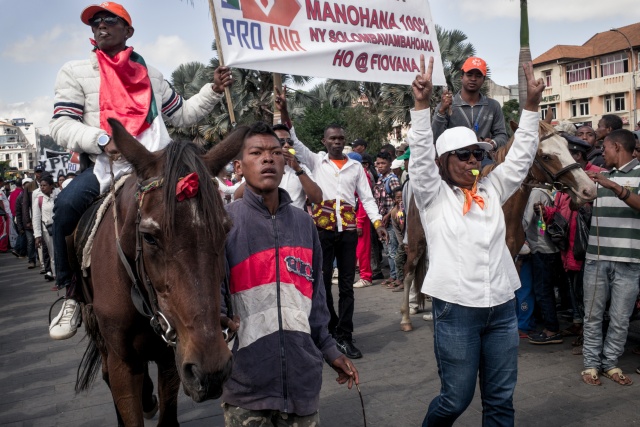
column 627, row 167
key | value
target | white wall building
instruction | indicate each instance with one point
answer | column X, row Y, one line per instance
column 18, row 144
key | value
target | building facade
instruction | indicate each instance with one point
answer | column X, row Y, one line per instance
column 600, row 77
column 18, row 144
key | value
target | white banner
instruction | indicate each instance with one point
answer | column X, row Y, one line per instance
column 374, row 40
column 59, row 162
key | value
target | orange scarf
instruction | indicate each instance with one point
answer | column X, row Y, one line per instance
column 471, row 196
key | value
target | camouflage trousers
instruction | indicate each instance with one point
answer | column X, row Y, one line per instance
column 235, row 416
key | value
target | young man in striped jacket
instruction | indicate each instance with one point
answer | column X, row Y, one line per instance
column 612, row 265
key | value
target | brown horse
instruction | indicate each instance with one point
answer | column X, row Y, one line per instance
column 553, row 165
column 170, row 269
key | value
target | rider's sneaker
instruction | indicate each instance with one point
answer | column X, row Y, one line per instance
column 65, row 324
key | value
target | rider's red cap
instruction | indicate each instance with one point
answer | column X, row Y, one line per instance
column 110, row 6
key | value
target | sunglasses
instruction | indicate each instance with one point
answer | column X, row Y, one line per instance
column 464, row 155
column 109, row 21
column 285, row 141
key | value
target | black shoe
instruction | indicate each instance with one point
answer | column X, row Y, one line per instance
column 377, row 276
column 15, row 253
column 347, row 348
column 542, row 338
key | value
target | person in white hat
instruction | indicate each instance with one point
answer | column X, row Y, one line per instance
column 471, row 275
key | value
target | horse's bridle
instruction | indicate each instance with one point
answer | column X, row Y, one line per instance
column 554, row 178
column 149, row 307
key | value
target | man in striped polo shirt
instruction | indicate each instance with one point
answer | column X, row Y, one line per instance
column 612, row 265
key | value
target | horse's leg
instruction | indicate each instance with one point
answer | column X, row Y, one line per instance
column 149, row 401
column 125, row 383
column 105, row 377
column 405, row 323
column 168, row 388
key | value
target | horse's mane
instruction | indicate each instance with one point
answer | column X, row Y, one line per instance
column 501, row 153
column 181, row 159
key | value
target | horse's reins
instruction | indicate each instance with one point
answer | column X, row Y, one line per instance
column 149, row 308
column 553, row 177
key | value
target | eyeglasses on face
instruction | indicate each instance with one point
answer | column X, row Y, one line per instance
column 285, row 141
column 109, row 21
column 464, row 155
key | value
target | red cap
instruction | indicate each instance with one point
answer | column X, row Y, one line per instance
column 109, row 6
column 475, row 63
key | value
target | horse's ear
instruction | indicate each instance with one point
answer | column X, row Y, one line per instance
column 513, row 125
column 142, row 160
column 225, row 151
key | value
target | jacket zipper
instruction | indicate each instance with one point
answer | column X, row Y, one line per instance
column 283, row 357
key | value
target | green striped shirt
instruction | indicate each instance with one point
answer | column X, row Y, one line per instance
column 615, row 226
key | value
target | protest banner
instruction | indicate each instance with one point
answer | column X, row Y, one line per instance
column 376, row 41
column 59, row 162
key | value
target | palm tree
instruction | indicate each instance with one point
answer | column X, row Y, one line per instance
column 397, row 100
column 252, row 98
column 525, row 52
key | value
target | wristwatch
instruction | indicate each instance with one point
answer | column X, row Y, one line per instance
column 103, row 140
column 300, row 172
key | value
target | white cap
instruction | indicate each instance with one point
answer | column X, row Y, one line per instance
column 26, row 180
column 457, row 138
column 397, row 164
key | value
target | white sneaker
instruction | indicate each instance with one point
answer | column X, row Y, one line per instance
column 413, row 310
column 65, row 324
column 334, row 276
column 428, row 316
column 362, row 283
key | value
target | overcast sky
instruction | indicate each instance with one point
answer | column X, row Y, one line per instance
column 38, row 36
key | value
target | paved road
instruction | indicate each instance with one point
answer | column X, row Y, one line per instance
column 398, row 372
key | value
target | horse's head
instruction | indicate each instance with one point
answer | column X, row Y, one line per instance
column 179, row 240
column 555, row 165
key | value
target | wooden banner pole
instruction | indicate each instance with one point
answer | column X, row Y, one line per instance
column 227, row 91
column 277, row 84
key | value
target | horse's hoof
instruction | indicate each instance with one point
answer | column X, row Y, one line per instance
column 406, row 327
column 151, row 412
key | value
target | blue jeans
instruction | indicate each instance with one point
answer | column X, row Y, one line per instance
column 390, row 248
column 525, row 298
column 468, row 340
column 601, row 280
column 31, row 245
column 544, row 268
column 70, row 204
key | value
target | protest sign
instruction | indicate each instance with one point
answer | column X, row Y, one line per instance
column 375, row 40
column 59, row 162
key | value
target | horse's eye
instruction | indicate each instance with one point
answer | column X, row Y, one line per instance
column 149, row 239
column 546, row 157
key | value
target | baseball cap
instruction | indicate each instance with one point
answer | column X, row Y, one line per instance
column 475, row 63
column 406, row 155
column 109, row 6
column 39, row 169
column 355, row 156
column 576, row 144
column 457, row 138
column 397, row 163
column 26, row 180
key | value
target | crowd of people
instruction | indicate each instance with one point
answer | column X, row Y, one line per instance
column 349, row 206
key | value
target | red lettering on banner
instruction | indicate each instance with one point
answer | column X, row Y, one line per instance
column 343, row 58
column 356, row 16
column 395, row 63
column 286, row 40
column 316, row 34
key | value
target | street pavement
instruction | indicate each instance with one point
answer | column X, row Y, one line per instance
column 398, row 372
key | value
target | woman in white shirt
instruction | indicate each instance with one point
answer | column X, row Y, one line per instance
column 43, row 216
column 471, row 275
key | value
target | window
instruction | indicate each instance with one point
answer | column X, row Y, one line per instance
column 20, row 155
column 547, row 78
column 19, row 165
column 579, row 71
column 614, row 103
column 546, row 110
column 580, row 107
column 617, row 63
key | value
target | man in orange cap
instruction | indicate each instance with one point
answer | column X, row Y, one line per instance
column 114, row 82
column 470, row 108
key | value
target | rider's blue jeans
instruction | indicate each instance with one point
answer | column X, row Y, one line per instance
column 468, row 341
column 70, row 204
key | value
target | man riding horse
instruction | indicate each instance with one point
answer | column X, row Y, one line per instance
column 114, row 82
